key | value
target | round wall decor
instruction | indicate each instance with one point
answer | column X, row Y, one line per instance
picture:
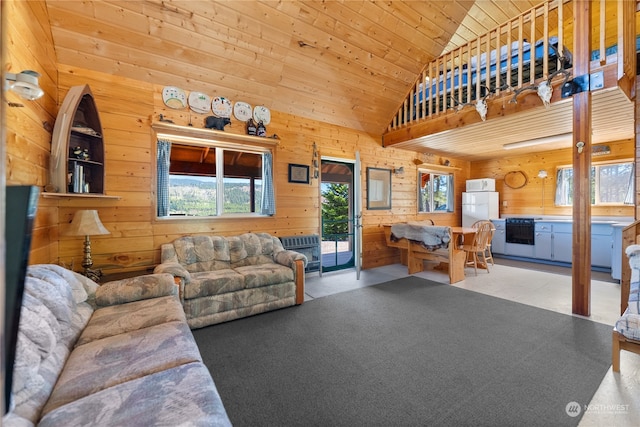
column 515, row 179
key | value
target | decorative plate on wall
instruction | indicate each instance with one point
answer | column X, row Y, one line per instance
column 174, row 97
column 200, row 102
column 221, row 107
column 262, row 114
column 515, row 179
column 242, row 111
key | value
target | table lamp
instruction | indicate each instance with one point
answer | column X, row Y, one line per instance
column 87, row 223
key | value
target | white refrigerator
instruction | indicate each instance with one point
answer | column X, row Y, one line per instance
column 479, row 205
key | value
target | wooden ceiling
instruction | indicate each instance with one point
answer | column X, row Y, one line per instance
column 349, row 63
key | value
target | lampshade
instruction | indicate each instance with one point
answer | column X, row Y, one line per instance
column 25, row 84
column 86, row 223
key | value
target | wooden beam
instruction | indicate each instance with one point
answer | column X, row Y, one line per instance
column 581, row 257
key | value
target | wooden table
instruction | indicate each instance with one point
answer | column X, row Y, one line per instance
column 412, row 254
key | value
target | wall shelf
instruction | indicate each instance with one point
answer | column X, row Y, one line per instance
column 188, row 133
column 77, row 152
column 433, row 166
column 79, row 196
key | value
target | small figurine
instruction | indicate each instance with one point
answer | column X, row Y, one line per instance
column 252, row 129
column 262, row 130
column 81, row 154
column 217, row 123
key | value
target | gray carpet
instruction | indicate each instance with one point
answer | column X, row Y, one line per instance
column 406, row 352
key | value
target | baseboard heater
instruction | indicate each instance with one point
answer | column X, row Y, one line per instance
column 308, row 245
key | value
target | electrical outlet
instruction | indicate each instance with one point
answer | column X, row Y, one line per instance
column 504, row 203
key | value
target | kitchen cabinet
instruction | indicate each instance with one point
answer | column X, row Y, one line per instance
column 543, row 241
column 601, row 245
column 563, row 242
column 554, row 242
column 499, row 237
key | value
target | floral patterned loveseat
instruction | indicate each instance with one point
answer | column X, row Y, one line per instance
column 225, row 278
column 116, row 354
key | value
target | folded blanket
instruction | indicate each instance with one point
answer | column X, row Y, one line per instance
column 430, row 237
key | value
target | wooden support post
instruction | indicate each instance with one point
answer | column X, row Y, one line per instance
column 581, row 295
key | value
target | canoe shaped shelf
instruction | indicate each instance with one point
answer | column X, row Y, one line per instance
column 77, row 148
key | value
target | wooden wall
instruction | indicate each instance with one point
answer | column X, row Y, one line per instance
column 528, row 199
column 28, row 46
column 127, row 110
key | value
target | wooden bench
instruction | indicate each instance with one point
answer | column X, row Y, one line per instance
column 413, row 254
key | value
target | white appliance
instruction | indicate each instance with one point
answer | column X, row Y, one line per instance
column 479, row 205
column 483, row 184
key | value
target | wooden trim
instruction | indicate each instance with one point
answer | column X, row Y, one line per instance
column 433, row 166
column 208, row 134
column 299, row 279
column 79, row 196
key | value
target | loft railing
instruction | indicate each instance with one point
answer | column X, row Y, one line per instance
column 520, row 54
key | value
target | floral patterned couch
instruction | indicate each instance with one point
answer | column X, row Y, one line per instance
column 116, row 354
column 225, row 278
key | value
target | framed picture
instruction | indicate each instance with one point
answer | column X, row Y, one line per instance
column 378, row 188
column 298, row 173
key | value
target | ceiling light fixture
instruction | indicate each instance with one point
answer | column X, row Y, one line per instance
column 25, row 84
column 563, row 137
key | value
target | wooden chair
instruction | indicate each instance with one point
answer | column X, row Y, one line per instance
column 477, row 248
column 488, row 254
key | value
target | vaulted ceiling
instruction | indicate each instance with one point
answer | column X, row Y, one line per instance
column 349, row 63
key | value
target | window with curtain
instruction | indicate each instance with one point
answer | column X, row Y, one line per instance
column 435, row 192
column 206, row 179
column 611, row 184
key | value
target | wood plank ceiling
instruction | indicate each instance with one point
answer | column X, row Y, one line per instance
column 348, row 63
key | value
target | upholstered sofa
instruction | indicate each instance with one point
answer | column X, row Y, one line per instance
column 225, row 278
column 110, row 355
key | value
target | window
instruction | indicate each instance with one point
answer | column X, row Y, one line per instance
column 205, row 179
column 435, row 192
column 611, row 184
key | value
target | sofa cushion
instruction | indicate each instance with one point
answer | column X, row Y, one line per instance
column 250, row 249
column 114, row 360
column 200, row 253
column 213, row 282
column 232, row 301
column 183, row 395
column 119, row 319
column 629, row 325
column 265, row 274
column 135, row 289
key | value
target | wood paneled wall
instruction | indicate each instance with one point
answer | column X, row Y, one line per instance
column 127, row 110
column 128, row 107
column 528, row 200
column 28, row 46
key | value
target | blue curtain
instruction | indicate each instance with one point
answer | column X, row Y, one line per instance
column 450, row 195
column 630, row 199
column 268, row 202
column 164, row 160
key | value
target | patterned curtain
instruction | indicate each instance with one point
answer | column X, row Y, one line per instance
column 164, row 160
column 268, row 202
